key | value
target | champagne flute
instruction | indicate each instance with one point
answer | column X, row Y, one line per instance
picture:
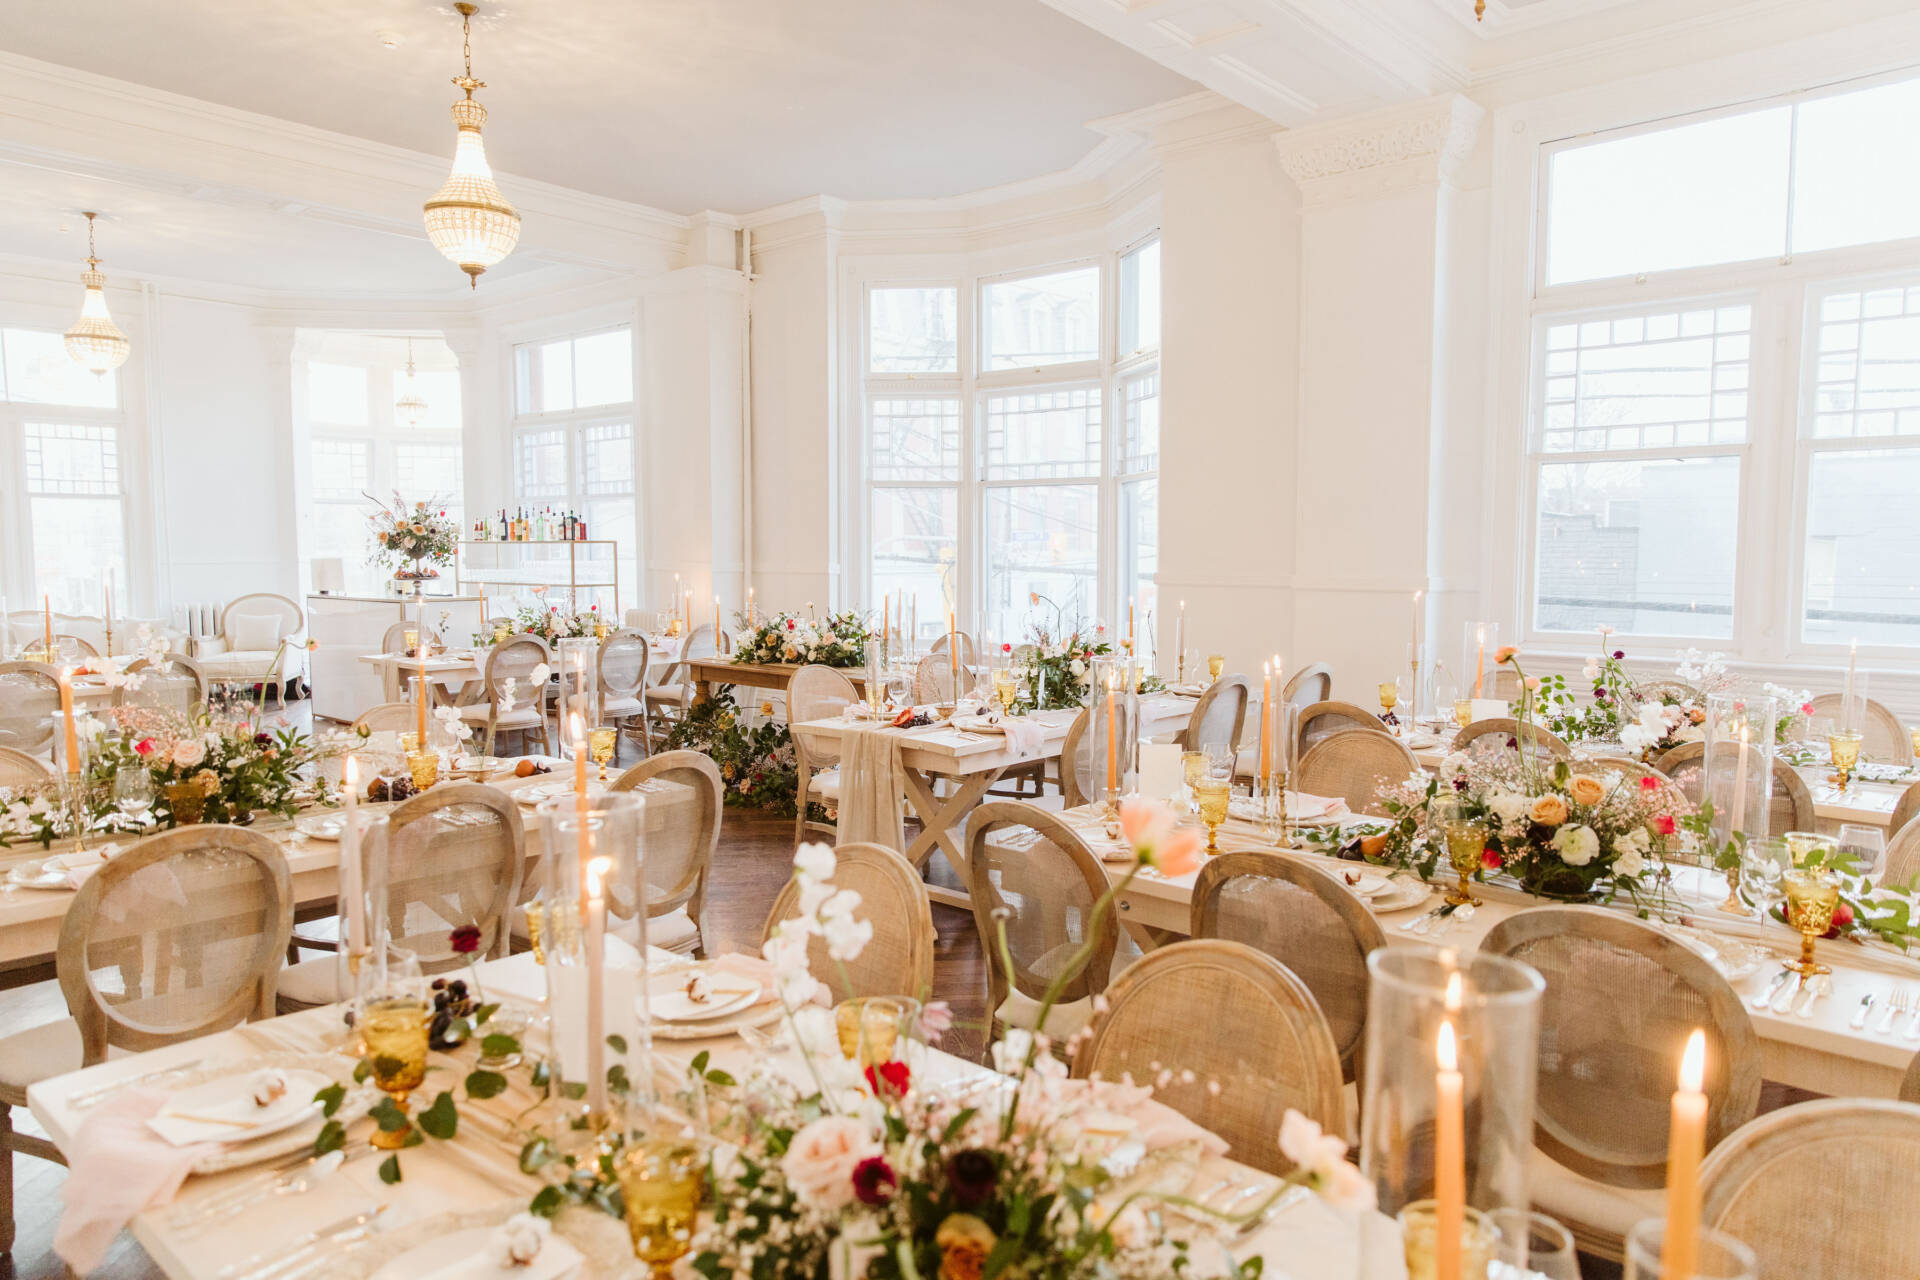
column 1214, row 795
column 660, row 1185
column 601, row 742
column 133, row 793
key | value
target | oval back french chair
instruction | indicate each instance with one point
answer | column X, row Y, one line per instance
column 1791, row 808
column 1355, row 765
column 681, row 825
column 898, row 959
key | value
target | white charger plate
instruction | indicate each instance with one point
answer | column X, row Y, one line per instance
column 229, row 1097
column 37, row 875
column 321, row 826
column 337, row 1069
column 753, row 1016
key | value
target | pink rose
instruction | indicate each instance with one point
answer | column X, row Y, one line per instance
column 188, row 753
column 144, row 746
column 820, row 1161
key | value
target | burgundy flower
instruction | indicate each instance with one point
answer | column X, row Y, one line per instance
column 262, row 739
column 891, row 1081
column 874, row 1181
column 1619, row 654
column 465, row 939
column 972, row 1174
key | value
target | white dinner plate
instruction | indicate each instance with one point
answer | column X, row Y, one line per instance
column 223, row 1110
column 531, row 796
column 757, row 1015
column 38, row 874
column 321, row 826
column 667, row 995
column 1401, row 892
column 464, row 1254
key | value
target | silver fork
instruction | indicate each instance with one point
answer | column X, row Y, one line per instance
column 199, row 1215
column 1421, row 923
column 1896, row 1005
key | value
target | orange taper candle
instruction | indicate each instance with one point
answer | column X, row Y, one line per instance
column 1113, row 741
column 1686, row 1143
column 1449, row 1157
column 66, row 713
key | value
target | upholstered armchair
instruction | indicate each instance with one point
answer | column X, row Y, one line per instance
column 247, row 649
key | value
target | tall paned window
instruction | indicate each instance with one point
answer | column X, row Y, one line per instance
column 1724, row 430
column 573, row 442
column 64, row 495
column 1011, row 442
column 361, row 444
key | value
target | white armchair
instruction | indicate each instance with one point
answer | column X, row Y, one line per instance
column 247, row 648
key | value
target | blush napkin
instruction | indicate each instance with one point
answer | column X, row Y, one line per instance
column 119, row 1167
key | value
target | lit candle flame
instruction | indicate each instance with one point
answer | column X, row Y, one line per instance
column 1444, row 1052
column 574, row 728
column 597, row 870
column 1693, row 1063
column 350, row 774
column 1453, row 996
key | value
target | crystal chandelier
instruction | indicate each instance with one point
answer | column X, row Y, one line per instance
column 468, row 220
column 95, row 341
column 410, row 408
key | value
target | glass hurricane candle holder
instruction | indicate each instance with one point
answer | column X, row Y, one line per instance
column 1419, row 1232
column 577, row 660
column 1110, row 732
column 1812, row 896
column 1493, row 1006
column 1719, row 1256
column 1737, row 770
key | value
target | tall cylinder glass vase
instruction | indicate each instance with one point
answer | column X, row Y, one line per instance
column 579, row 706
column 1111, row 731
column 593, row 942
column 1737, row 780
column 1416, row 1107
column 1479, row 681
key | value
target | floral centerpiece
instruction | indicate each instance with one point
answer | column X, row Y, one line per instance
column 411, row 538
column 838, row 640
column 839, row 1170
column 553, row 625
column 756, row 763
column 1060, row 661
column 1562, row 834
column 240, row 768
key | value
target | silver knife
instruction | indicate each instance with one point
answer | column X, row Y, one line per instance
column 1815, row 987
column 1860, row 1015
column 1784, row 1001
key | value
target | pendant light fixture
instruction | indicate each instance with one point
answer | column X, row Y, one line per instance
column 468, row 220
column 95, row 341
column 410, row 408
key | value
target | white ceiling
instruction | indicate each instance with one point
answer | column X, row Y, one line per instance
column 684, row 105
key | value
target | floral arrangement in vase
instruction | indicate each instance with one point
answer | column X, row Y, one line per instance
column 837, row 640
column 411, row 538
column 553, row 625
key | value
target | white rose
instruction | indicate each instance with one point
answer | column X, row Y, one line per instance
column 188, row 753
column 1576, row 845
column 819, row 1163
column 1077, row 667
column 1629, row 864
column 1511, row 807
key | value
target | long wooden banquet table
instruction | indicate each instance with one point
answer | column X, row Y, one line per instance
column 30, row 918
column 476, row 1174
column 1820, row 1050
column 462, row 672
column 974, row 763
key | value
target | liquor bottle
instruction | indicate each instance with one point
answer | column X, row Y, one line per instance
column 579, row 530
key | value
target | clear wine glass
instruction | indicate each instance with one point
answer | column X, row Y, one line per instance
column 133, row 793
column 1868, row 846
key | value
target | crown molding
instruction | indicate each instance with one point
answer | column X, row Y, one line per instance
column 1422, row 144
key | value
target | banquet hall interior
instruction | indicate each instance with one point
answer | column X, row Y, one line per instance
column 959, row 637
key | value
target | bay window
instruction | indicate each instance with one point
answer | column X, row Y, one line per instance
column 1010, row 442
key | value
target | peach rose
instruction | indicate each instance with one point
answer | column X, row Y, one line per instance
column 819, row 1163
column 1587, row 789
column 965, row 1241
column 1548, row 811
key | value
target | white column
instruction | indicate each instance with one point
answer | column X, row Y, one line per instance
column 1385, row 340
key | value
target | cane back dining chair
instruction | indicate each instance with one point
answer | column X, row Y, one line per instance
column 1506, row 733
column 178, row 937
column 1219, row 716
column 1238, row 1082
column 174, row 682
column 29, row 706
column 816, row 693
column 625, row 657
column 1305, row 918
column 1030, row 864
column 1881, row 736
column 1083, row 745
column 936, row 681
column 18, row 769
column 1791, row 808
column 1621, row 999
column 390, row 717
column 1818, row 1190
column 669, row 700
column 396, row 680
column 514, row 660
column 1906, row 807
column 898, row 959
column 968, row 654
column 456, row 856
column 1324, row 719
column 681, row 829
column 1308, row 685
column 1903, row 855
column 1355, row 765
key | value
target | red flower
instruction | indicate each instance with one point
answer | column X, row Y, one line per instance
column 1806, row 708
column 1842, row 916
column 144, row 746
column 1649, row 783
column 465, row 939
column 1664, row 824
column 874, row 1181
column 1491, row 859
column 892, row 1080
column 789, row 624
